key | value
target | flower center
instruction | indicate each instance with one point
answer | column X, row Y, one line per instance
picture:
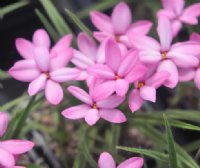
column 117, row 77
column 164, row 54
column 94, row 106
column 140, row 84
column 47, row 74
column 117, row 38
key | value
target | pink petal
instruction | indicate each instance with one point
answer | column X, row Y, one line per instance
column 24, row 70
column 25, row 48
column 92, row 117
column 101, row 71
column 195, row 37
column 170, row 67
column 100, row 56
column 36, row 85
column 6, row 159
column 102, row 91
column 101, row 21
column 140, row 27
column 76, row 112
column 178, row 6
column 197, row 79
column 135, row 101
column 128, row 63
column 102, row 36
column 121, row 87
column 80, row 94
column 42, row 58
column 41, row 39
column 112, row 115
column 106, row 161
column 167, row 4
column 168, row 13
column 61, row 59
column 113, row 55
column 150, row 56
column 164, row 32
column 64, row 74
column 186, row 74
column 62, row 45
column 53, row 92
column 148, row 93
column 87, row 45
column 176, row 27
column 134, row 162
column 110, row 102
column 136, row 73
column 16, row 147
column 81, row 60
column 158, row 79
column 121, row 18
column 3, row 123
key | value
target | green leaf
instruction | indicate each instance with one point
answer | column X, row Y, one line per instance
column 150, row 153
column 55, row 17
column 78, row 22
column 170, row 142
column 12, row 7
column 47, row 25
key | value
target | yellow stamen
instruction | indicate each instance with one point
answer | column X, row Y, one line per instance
column 117, row 38
column 140, row 84
column 117, row 77
column 94, row 106
column 164, row 54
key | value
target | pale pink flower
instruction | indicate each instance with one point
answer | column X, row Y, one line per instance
column 88, row 55
column 118, row 25
column 119, row 71
column 97, row 104
column 107, row 161
column 44, row 67
column 9, row 149
column 145, row 89
column 192, row 73
column 175, row 11
column 165, row 55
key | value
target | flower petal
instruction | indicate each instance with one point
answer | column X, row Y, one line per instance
column 101, row 21
column 186, row 74
column 92, row 117
column 3, row 123
column 112, row 115
column 176, row 27
column 106, row 161
column 148, row 93
column 135, row 101
column 121, row 87
column 121, row 17
column 80, row 94
column 197, row 79
column 36, row 85
column 64, row 74
column 24, row 70
column 195, row 37
column 76, row 112
column 113, row 55
column 53, row 92
column 16, row 147
column 6, row 159
column 134, row 162
column 41, row 39
column 25, row 48
column 102, row 36
column 42, row 58
column 110, row 102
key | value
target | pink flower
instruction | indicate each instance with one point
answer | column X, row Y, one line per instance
column 165, row 55
column 88, row 55
column 11, row 148
column 118, row 25
column 145, row 89
column 192, row 73
column 44, row 67
column 118, row 72
column 174, row 10
column 95, row 105
column 107, row 161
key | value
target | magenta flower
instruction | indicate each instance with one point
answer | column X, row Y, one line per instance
column 88, row 55
column 96, row 105
column 192, row 73
column 145, row 89
column 44, row 67
column 174, row 10
column 165, row 55
column 119, row 71
column 118, row 25
column 9, row 149
column 107, row 161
